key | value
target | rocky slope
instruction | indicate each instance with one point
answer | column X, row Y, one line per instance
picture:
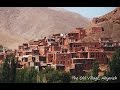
column 111, row 24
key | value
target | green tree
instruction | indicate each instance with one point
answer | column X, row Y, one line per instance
column 66, row 77
column 20, row 75
column 13, row 68
column 52, row 76
column 1, row 48
column 115, row 65
column 95, row 69
column 9, row 69
column 26, row 75
column 6, row 71
column 32, row 75
column 1, row 67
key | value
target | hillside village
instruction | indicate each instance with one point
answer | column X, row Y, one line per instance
column 67, row 52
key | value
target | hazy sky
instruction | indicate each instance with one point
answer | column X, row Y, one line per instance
column 90, row 12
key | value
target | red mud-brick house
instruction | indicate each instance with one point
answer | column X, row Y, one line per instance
column 20, row 50
column 38, row 42
column 87, row 51
column 43, row 61
column 60, row 39
column 80, row 46
column 58, row 58
column 54, row 47
column 50, row 41
column 43, row 50
column 87, row 62
column 25, row 46
column 23, row 50
column 28, row 61
column 109, row 46
column 23, row 61
column 35, row 52
column 98, row 55
column 97, row 29
column 89, row 54
column 77, row 69
column 39, row 50
column 77, row 34
column 74, row 47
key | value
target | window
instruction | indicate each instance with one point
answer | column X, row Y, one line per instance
column 27, row 53
column 74, row 46
column 102, row 55
column 68, row 62
column 60, row 43
column 97, row 55
column 22, row 59
column 72, row 55
column 26, row 59
column 102, row 29
column 42, row 59
column 60, row 62
column 104, row 44
column 92, row 55
column 90, row 62
column 84, row 62
column 66, row 50
column 74, row 61
column 83, row 49
column 107, row 60
column 64, row 56
column 33, row 59
column 36, row 52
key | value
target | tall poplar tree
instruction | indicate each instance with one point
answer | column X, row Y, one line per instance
column 9, row 69
column 95, row 69
column 115, row 65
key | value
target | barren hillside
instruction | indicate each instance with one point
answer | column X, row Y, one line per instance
column 20, row 24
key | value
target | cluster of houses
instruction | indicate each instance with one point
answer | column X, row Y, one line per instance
column 66, row 52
